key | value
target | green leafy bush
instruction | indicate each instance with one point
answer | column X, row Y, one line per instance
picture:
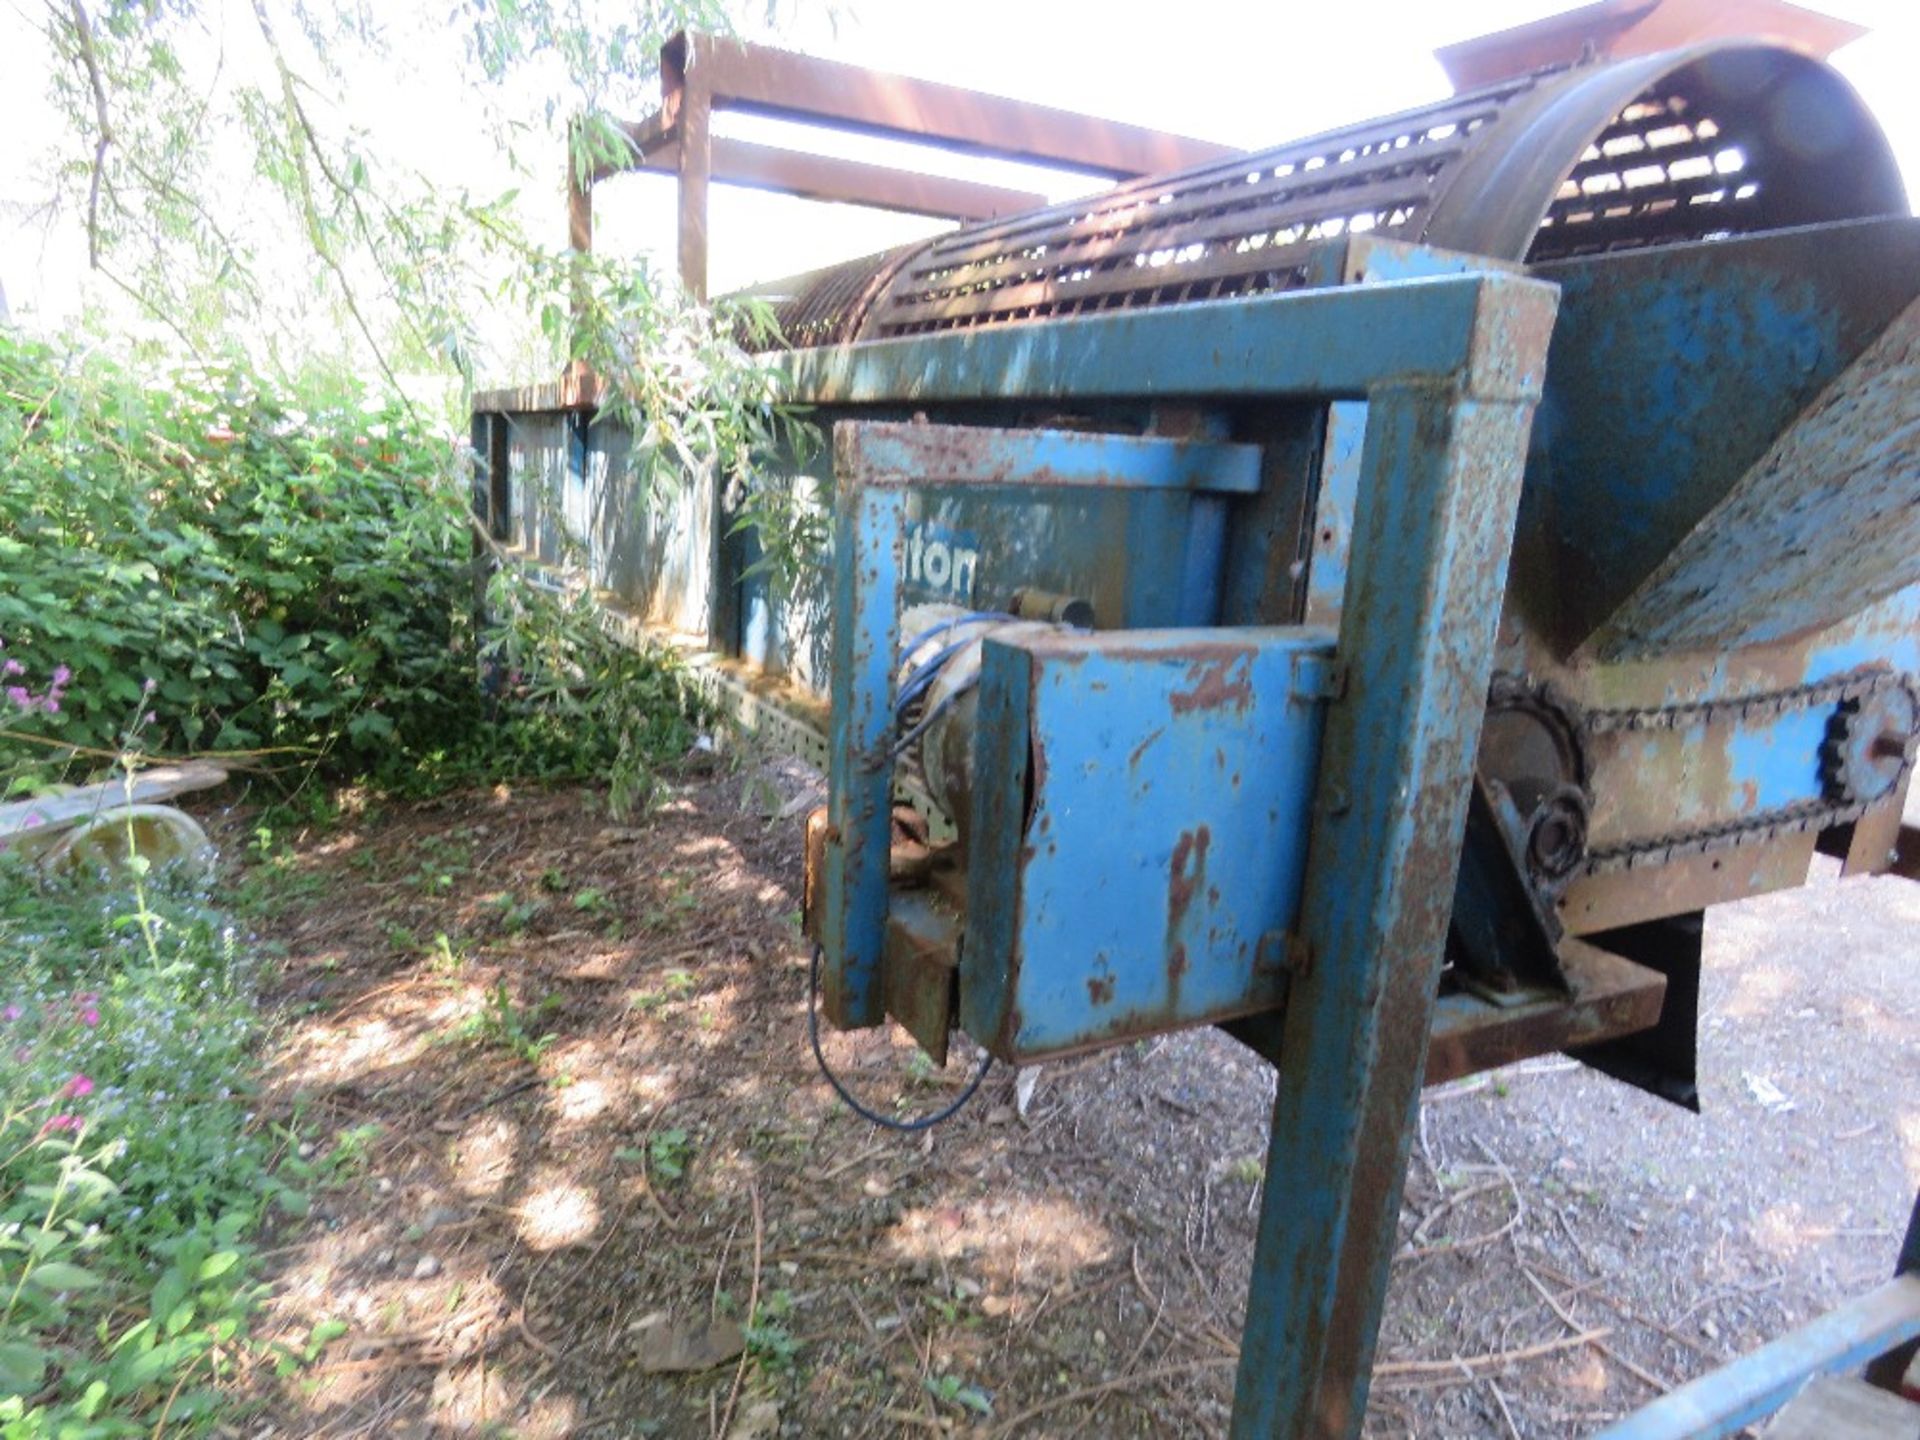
column 295, row 581
column 132, row 1178
column 288, row 578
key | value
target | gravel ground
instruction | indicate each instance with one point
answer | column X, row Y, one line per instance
column 518, row 1225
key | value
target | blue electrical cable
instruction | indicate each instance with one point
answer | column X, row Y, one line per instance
column 925, row 1122
column 925, row 674
column 928, row 670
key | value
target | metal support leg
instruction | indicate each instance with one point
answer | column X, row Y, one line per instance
column 868, row 524
column 1440, row 484
column 480, row 430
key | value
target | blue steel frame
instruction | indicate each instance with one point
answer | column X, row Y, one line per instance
column 1451, row 369
column 874, row 466
column 1746, row 1391
column 1879, row 1330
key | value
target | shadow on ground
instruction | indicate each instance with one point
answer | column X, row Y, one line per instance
column 556, row 1072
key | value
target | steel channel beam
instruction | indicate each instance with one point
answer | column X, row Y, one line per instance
column 1439, row 489
column 853, row 182
column 1735, row 1396
column 764, row 81
column 868, row 524
column 1311, row 345
column 888, row 453
column 687, row 87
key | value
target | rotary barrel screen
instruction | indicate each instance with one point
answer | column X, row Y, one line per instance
column 1238, row 228
column 1724, row 139
column 825, row 308
column 1731, row 145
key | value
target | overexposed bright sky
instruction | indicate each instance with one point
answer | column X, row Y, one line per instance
column 1226, row 70
column 1240, row 73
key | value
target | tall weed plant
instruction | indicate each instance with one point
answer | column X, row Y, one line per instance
column 133, row 1176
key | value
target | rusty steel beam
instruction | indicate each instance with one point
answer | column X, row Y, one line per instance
column 577, row 389
column 743, row 76
column 656, row 132
column 699, row 74
column 1616, row 29
column 1438, row 490
column 822, row 177
column 1612, row 996
column 687, row 88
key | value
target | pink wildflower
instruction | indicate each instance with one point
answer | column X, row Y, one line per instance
column 90, row 1017
column 61, row 674
column 12, row 1012
column 77, row 1088
column 62, row 1122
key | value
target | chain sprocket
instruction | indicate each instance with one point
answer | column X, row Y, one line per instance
column 1851, row 694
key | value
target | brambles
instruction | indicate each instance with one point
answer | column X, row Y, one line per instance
column 294, row 584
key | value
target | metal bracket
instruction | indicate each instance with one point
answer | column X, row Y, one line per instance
column 1319, row 677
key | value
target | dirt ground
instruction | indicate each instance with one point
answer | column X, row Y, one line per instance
column 557, row 1072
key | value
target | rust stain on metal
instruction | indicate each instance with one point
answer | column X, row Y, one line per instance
column 1221, row 682
column 1036, row 771
column 1100, row 989
column 1133, row 760
column 1187, row 870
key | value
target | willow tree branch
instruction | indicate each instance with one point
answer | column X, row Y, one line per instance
column 158, row 312
column 90, row 59
column 307, row 143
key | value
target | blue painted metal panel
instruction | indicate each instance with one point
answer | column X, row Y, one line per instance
column 1770, row 767
column 1887, row 633
column 1743, row 1393
column 1203, row 569
column 1827, row 521
column 1161, row 835
column 1672, row 373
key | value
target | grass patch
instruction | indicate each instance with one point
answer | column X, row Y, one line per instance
column 133, row 1176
